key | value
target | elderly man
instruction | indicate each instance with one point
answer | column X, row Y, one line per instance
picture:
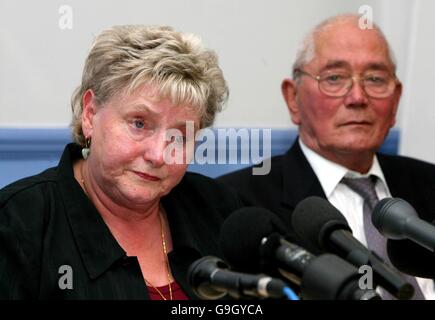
column 344, row 97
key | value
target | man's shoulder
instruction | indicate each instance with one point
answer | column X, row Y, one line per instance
column 407, row 166
column 412, row 180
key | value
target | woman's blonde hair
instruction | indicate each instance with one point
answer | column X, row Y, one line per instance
column 123, row 58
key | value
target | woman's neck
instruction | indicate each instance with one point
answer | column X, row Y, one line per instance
column 135, row 229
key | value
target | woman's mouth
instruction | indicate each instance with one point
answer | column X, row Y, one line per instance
column 146, row 176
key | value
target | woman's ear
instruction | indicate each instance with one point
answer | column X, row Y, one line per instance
column 289, row 92
column 88, row 113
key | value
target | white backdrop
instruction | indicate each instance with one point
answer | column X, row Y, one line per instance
column 41, row 64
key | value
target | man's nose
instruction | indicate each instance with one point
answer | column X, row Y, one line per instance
column 356, row 95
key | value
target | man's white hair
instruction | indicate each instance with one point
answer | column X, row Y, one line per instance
column 307, row 48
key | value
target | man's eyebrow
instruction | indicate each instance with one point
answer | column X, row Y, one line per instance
column 333, row 64
column 378, row 66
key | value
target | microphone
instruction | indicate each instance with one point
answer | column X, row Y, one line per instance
column 211, row 279
column 323, row 227
column 396, row 219
column 250, row 241
column 411, row 258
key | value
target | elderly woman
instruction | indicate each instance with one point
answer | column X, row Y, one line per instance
column 117, row 219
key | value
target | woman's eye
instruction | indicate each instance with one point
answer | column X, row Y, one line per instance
column 179, row 139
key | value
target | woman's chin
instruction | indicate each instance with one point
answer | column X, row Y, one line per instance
column 141, row 197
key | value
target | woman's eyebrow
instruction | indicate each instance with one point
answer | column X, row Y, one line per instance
column 143, row 108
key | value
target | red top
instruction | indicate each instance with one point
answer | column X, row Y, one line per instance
column 177, row 292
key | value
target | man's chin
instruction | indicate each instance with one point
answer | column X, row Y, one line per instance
column 357, row 147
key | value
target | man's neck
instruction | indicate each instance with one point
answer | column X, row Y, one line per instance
column 356, row 161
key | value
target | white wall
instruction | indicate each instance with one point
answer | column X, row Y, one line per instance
column 418, row 122
column 40, row 64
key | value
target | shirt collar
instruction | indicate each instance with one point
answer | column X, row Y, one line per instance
column 330, row 173
column 96, row 244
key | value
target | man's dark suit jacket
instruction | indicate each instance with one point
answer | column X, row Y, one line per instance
column 292, row 179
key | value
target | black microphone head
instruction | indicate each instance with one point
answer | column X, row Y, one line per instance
column 411, row 258
column 314, row 219
column 241, row 236
column 198, row 277
column 390, row 215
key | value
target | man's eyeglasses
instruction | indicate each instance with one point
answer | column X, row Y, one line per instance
column 376, row 84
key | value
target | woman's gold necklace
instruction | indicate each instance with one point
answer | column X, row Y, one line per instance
column 165, row 253
column 83, row 180
column 167, row 264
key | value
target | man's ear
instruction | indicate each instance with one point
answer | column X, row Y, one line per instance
column 88, row 113
column 289, row 92
column 397, row 95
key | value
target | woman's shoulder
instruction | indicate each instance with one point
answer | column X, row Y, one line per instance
column 204, row 185
column 206, row 192
column 27, row 184
column 28, row 193
column 24, row 212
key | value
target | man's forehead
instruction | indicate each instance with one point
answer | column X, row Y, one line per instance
column 351, row 47
column 374, row 64
column 350, row 36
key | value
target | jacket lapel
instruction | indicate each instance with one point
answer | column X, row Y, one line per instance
column 299, row 179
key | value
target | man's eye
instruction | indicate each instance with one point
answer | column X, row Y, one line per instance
column 334, row 78
column 139, row 124
column 376, row 79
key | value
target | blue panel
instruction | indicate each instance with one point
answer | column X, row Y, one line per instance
column 26, row 144
column 281, row 141
column 24, row 152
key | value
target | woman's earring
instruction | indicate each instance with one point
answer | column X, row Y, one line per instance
column 87, row 148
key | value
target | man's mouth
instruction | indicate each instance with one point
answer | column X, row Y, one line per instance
column 357, row 123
